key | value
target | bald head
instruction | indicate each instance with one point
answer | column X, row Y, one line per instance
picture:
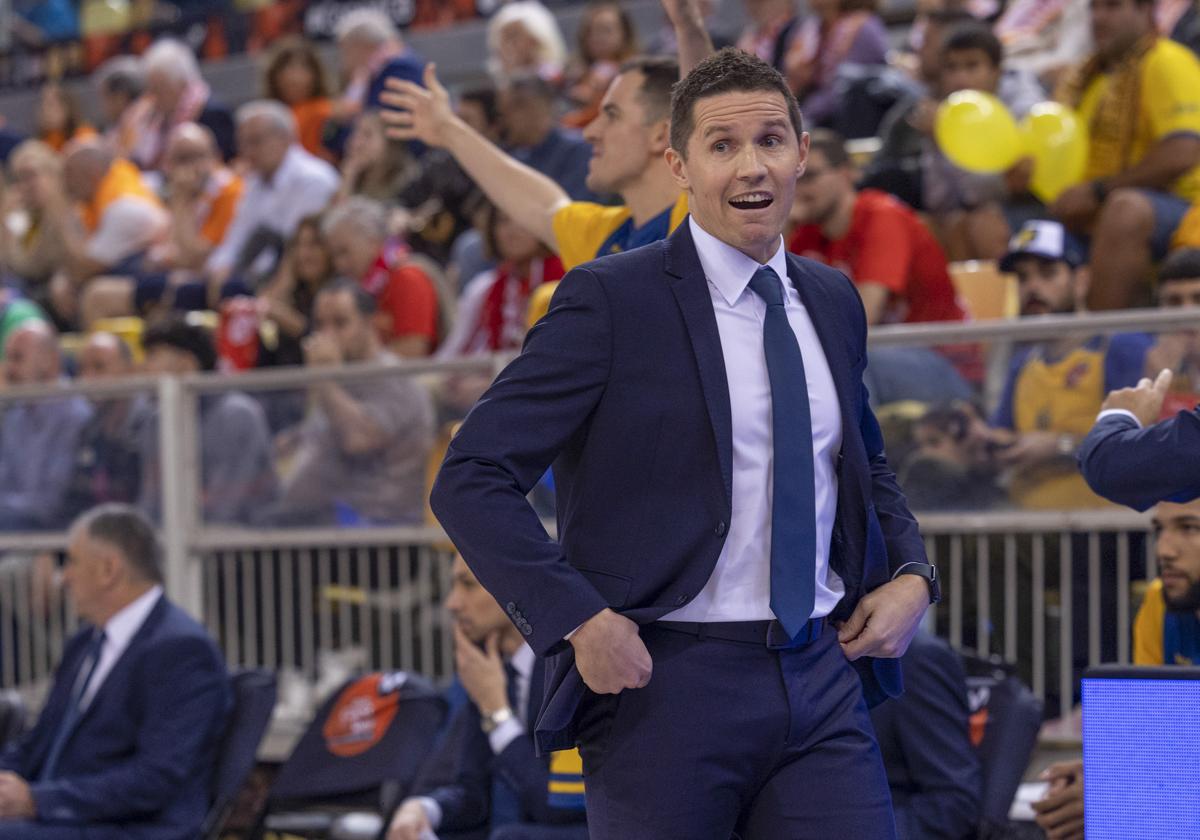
column 105, row 356
column 85, row 165
column 189, row 158
column 31, row 354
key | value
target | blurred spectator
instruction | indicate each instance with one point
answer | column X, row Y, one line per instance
column 175, row 93
column 1139, row 94
column 237, row 475
column 836, row 32
column 532, row 136
column 287, row 299
column 114, row 753
column 296, row 76
column 924, row 736
column 523, row 38
column 119, row 83
column 371, row 52
column 952, row 467
column 973, row 213
column 1045, row 37
column 374, row 166
column 362, row 452
column 665, row 43
column 893, row 259
column 407, row 315
column 60, row 118
column 769, row 32
column 108, row 460
column 40, row 22
column 284, row 184
column 495, row 765
column 479, row 107
column 1167, row 628
column 202, row 196
column 15, row 311
column 34, row 208
column 121, row 219
column 491, row 313
column 1054, row 388
column 1176, row 350
column 38, row 437
column 606, row 39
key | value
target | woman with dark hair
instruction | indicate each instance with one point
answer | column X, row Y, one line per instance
column 374, row 166
column 837, row 32
column 60, row 117
column 296, row 77
column 287, row 299
column 606, row 39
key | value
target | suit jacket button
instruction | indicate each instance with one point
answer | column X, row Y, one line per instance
column 526, row 629
column 720, row 529
column 510, row 607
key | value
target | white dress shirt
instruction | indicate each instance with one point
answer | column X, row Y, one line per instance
column 740, row 586
column 301, row 186
column 1114, row 412
column 118, row 633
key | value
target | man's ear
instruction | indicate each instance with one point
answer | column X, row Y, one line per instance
column 660, row 136
column 678, row 169
column 802, row 158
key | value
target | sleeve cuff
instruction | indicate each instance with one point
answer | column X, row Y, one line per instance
column 505, row 734
column 433, row 811
column 1121, row 412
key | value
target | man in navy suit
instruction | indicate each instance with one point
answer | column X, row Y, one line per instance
column 724, row 503
column 125, row 744
column 1132, row 459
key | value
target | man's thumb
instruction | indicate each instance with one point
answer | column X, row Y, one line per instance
column 853, row 625
column 431, row 79
column 1163, row 382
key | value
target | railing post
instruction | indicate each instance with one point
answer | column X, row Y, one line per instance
column 178, row 481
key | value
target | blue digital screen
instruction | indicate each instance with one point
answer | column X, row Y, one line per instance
column 1141, row 762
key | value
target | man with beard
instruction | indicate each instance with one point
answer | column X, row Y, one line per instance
column 1054, row 388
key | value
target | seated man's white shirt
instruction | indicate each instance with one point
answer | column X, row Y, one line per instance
column 118, row 633
column 128, row 226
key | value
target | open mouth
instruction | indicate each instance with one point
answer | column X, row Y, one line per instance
column 752, row 201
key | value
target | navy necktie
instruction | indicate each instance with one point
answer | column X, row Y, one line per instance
column 793, row 502
column 87, row 668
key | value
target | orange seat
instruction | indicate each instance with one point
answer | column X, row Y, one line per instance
column 985, row 291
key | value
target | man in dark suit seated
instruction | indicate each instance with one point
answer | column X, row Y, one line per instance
column 125, row 745
column 924, row 735
column 498, row 787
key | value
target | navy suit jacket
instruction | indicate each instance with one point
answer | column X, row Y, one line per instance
column 622, row 386
column 141, row 757
column 1141, row 467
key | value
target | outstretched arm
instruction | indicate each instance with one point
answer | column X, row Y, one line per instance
column 694, row 43
column 412, row 112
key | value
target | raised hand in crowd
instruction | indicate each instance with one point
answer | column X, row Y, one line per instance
column 695, row 45
column 1145, row 401
column 1060, row 812
column 420, row 113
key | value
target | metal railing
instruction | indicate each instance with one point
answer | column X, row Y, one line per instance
column 1051, row 592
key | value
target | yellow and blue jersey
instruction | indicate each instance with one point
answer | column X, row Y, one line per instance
column 1162, row 636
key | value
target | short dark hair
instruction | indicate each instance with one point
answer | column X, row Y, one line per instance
column 974, row 36
column 1183, row 264
column 659, row 76
column 949, row 17
column 126, row 529
column 531, row 85
column 485, row 97
column 175, row 331
column 830, row 144
column 727, row 71
column 364, row 301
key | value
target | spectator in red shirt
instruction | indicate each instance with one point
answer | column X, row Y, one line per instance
column 879, row 243
column 407, row 319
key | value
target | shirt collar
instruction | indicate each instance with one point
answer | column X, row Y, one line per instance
column 282, row 172
column 522, row 661
column 726, row 267
column 120, row 629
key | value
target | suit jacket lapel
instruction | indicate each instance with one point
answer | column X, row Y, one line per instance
column 116, row 676
column 691, row 293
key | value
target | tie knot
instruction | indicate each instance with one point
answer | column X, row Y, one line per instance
column 766, row 284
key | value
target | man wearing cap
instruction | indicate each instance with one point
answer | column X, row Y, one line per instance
column 1055, row 388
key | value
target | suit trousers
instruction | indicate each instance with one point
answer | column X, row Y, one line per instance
column 735, row 740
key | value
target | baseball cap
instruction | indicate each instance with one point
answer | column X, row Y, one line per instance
column 1046, row 239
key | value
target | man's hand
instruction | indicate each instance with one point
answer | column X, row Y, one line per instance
column 481, row 671
column 413, row 112
column 1076, row 206
column 1060, row 812
column 1029, row 448
column 1145, row 401
column 683, row 12
column 16, row 800
column 410, row 823
column 885, row 621
column 610, row 654
column 320, row 350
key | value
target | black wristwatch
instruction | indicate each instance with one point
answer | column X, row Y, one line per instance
column 927, row 571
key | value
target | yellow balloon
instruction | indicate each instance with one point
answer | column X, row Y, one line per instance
column 1057, row 140
column 977, row 133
